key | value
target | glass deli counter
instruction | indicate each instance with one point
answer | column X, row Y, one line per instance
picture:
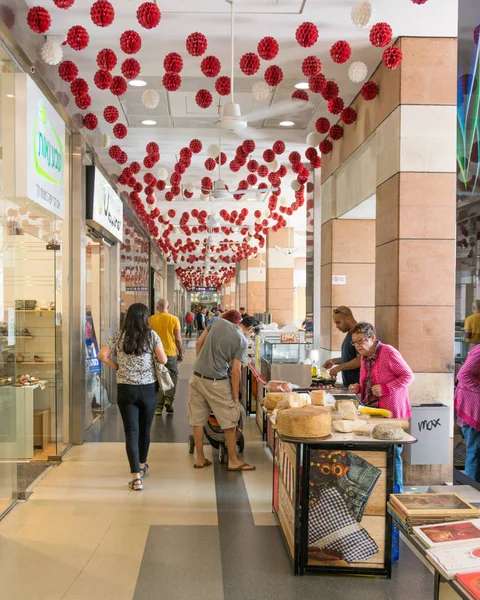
column 286, row 362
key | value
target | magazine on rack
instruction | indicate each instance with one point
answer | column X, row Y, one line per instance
column 459, row 559
column 446, row 535
column 471, row 583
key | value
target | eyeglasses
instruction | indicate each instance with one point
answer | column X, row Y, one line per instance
column 336, row 311
column 358, row 342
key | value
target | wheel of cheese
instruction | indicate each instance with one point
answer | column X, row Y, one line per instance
column 387, row 432
column 310, row 422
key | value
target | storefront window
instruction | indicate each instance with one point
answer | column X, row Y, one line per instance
column 134, row 268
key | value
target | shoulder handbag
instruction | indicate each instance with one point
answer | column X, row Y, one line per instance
column 163, row 376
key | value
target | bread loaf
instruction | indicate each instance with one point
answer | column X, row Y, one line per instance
column 279, row 386
column 294, row 401
column 386, row 432
column 310, row 422
column 317, row 397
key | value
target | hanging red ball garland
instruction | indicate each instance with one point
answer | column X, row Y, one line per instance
column 335, row 106
column 278, row 147
column 210, row 164
column 118, row 86
column 234, row 166
column 102, row 79
column 369, row 90
column 106, row 59
column 392, row 57
column 203, row 98
column 222, row 86
column 249, row 146
column 326, row 146
column 380, row 35
column 267, row 48
column 148, row 15
column 306, row 34
column 196, row 146
column 294, row 157
column 63, row 3
column 268, row 155
column 67, row 70
column 348, row 115
column 135, row 166
column 419, row 1
column 340, row 52
column 311, row 66
column 336, row 132
column 249, row 63
column 77, row 38
column 152, row 148
column 102, row 13
column 210, row 66
column 300, row 95
column 130, row 42
column 331, row 91
column 171, row 82
column 90, row 121
column 196, row 44
column 223, row 158
column 317, row 83
column 252, row 165
column 310, row 153
column 130, row 68
column 273, row 75
column 111, row 114
column 83, row 102
column 39, row 19
column 173, row 62
column 185, row 153
column 120, row 131
column 79, row 87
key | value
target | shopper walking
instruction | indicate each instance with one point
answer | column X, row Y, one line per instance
column 135, row 347
column 349, row 361
column 384, row 380
column 168, row 328
column 224, row 346
column 201, row 321
column 472, row 324
column 467, row 404
column 189, row 321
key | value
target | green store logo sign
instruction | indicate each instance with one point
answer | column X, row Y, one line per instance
column 47, row 148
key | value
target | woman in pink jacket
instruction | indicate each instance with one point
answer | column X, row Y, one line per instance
column 384, row 380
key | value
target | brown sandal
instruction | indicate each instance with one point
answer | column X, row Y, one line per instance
column 243, row 467
column 207, row 463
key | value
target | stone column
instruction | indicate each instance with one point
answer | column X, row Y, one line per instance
column 233, row 295
column 280, row 276
column 226, row 306
column 256, row 285
column 242, row 283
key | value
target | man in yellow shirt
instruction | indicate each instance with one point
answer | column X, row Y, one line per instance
column 168, row 328
column 472, row 324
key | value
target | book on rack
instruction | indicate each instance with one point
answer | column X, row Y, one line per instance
column 446, row 535
column 419, row 506
column 452, row 562
column 471, row 583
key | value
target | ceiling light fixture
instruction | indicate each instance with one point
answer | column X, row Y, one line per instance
column 302, row 85
column 149, row 122
column 10, row 96
column 137, row 83
column 287, row 123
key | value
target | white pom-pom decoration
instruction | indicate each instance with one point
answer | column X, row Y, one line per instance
column 251, row 231
column 283, row 201
column 357, row 72
column 150, row 99
column 273, row 166
column 52, row 53
column 295, row 185
column 260, row 91
column 105, row 141
column 314, row 139
column 204, row 197
column 190, row 187
column 213, row 151
column 162, row 174
column 363, row 13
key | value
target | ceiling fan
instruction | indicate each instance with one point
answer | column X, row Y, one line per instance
column 288, row 251
column 231, row 118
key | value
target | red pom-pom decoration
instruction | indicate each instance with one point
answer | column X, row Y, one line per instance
column 67, row 70
column 331, row 91
column 306, row 35
column 90, row 121
column 269, row 156
column 63, row 3
column 102, row 79
column 39, row 19
column 369, row 90
column 111, row 114
column 102, row 13
column 262, row 170
column 83, row 102
column 171, row 81
column 273, row 75
column 206, row 183
column 252, row 166
column 196, row 44
column 316, row 163
column 210, row 66
column 300, row 95
column 348, row 115
column 222, row 86
column 210, row 164
column 380, row 35
column 223, row 158
column 185, row 154
column 173, row 62
column 120, row 131
column 278, row 148
column 106, row 59
column 335, row 106
column 476, row 34
column 317, row 83
column 135, row 166
column 336, row 132
column 267, row 48
column 130, row 68
column 248, row 146
column 249, row 63
column 118, row 86
column 234, row 166
column 152, row 148
column 311, row 66
column 340, row 52
column 130, row 42
column 419, row 1
column 148, row 15
column 294, row 157
column 392, row 57
column 79, row 87
column 77, row 38
column 310, row 153
column 203, row 98
column 195, row 146
column 169, row 197
column 161, row 185
column 326, row 146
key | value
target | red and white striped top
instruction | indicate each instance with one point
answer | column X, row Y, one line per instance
column 467, row 395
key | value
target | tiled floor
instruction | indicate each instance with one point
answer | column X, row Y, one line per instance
column 190, row 533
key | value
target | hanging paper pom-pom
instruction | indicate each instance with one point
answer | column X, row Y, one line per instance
column 130, row 68
column 262, row 170
column 306, row 35
column 111, row 114
column 106, row 59
column 369, row 90
column 51, row 53
column 357, row 72
column 206, row 183
column 173, row 62
column 268, row 155
column 336, row 132
column 223, row 157
column 316, row 163
column 419, row 1
column 195, row 146
column 311, row 153
column 77, row 38
column 203, row 98
column 392, row 57
column 313, row 139
column 210, row 66
column 161, row 185
column 300, row 95
column 222, row 86
column 380, row 35
column 294, row 157
column 363, row 13
column 152, row 148
column 326, row 147
column 317, row 83
column 79, row 87
column 196, row 44
column 185, row 153
column 63, row 3
column 335, row 106
column 260, row 91
column 171, row 81
column 169, row 198
column 252, row 179
column 273, row 75
column 102, row 79
column 249, row 146
column 267, row 48
column 162, row 174
column 102, row 13
column 348, row 115
column 104, row 141
column 331, row 91
column 83, row 102
column 130, row 42
column 68, row 70
column 340, row 52
column 311, row 66
column 39, row 19
column 278, row 148
column 150, row 99
column 213, row 151
column 210, row 164
column 148, row 15
column 120, row 131
column 234, row 166
column 118, row 86
column 249, row 63
column 90, row 121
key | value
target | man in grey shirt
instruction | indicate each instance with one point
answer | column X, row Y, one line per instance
column 222, row 347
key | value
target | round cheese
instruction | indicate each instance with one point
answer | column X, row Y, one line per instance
column 310, row 422
column 386, row 432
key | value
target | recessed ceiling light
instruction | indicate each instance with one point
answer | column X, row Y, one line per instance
column 302, row 85
column 10, row 96
column 137, row 83
column 286, row 123
column 149, row 122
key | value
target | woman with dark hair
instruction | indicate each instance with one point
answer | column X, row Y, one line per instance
column 135, row 346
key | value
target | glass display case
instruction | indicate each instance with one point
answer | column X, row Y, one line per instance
column 292, row 354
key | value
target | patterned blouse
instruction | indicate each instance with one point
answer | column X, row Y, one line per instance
column 132, row 369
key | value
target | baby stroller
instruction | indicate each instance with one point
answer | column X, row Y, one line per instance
column 216, row 437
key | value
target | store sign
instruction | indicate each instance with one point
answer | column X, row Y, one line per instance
column 45, row 151
column 205, row 289
column 107, row 207
column 339, row 280
column 92, row 362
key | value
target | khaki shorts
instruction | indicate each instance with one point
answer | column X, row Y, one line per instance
column 212, row 396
